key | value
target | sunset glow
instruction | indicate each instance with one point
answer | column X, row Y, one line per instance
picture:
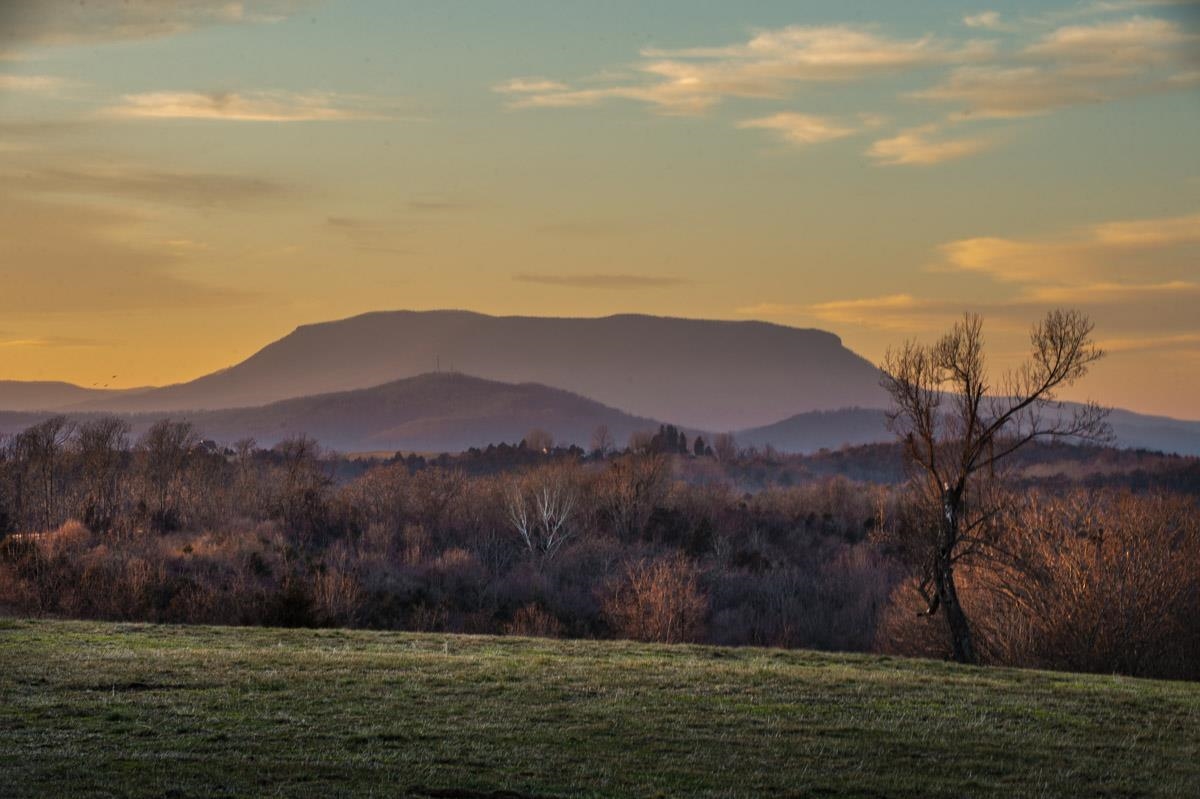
column 182, row 183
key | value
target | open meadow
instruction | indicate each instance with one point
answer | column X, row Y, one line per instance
column 102, row 709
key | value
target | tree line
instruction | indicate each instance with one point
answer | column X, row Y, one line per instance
column 961, row 559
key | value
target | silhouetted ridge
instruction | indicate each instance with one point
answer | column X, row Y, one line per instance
column 702, row 373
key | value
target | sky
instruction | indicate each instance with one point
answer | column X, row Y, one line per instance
column 183, row 182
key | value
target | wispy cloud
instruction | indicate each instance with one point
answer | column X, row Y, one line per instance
column 1150, row 232
column 924, row 146
column 601, row 281
column 32, row 84
column 1076, row 257
column 530, row 86
column 766, row 66
column 801, row 129
column 1176, row 341
column 1129, row 42
column 1087, row 268
column 200, row 189
column 49, row 341
column 1109, row 293
column 892, row 312
column 1085, row 57
column 244, row 106
column 376, row 236
column 1073, row 65
column 71, row 22
column 75, row 257
column 987, row 20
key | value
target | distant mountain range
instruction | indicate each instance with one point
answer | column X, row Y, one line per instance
column 365, row 384
column 433, row 412
column 711, row 375
column 808, row 432
column 43, row 395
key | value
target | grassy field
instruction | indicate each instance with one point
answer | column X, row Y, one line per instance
column 90, row 709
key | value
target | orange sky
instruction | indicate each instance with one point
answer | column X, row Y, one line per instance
column 180, row 187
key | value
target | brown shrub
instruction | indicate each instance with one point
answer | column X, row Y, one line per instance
column 658, row 600
column 336, row 593
column 1087, row 582
column 533, row 621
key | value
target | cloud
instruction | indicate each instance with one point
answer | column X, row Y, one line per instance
column 897, row 312
column 1141, row 305
column 201, row 189
column 820, row 52
column 1129, row 42
column 922, row 146
column 33, row 84
column 1077, row 257
column 71, row 22
column 891, row 312
column 375, row 236
column 435, row 204
column 529, row 86
column 1110, row 293
column 772, row 309
column 1073, row 65
column 241, row 107
column 1087, row 268
column 988, row 20
column 690, row 81
column 601, row 281
column 1176, row 341
column 1150, row 232
column 1006, row 92
column 66, row 258
column 800, row 129
column 50, row 341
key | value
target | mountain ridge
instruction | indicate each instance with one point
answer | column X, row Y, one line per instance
column 722, row 374
column 443, row 411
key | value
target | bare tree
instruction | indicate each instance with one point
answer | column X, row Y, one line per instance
column 629, row 490
column 602, row 440
column 102, row 445
column 957, row 427
column 539, row 440
column 301, row 498
column 165, row 450
column 660, row 600
column 541, row 508
column 39, row 452
column 725, row 447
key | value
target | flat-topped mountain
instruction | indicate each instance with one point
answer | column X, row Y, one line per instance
column 713, row 375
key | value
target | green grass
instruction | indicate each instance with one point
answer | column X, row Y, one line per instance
column 89, row 709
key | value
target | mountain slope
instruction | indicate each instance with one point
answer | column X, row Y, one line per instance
column 431, row 412
column 809, row 432
column 713, row 375
column 39, row 395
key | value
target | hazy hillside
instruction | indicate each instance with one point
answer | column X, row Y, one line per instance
column 808, row 432
column 434, row 412
column 706, row 374
column 34, row 395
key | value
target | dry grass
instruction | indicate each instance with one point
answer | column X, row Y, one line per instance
column 90, row 709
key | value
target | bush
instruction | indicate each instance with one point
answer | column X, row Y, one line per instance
column 658, row 600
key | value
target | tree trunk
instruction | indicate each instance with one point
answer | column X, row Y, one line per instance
column 961, row 642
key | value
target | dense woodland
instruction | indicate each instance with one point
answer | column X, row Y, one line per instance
column 666, row 540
